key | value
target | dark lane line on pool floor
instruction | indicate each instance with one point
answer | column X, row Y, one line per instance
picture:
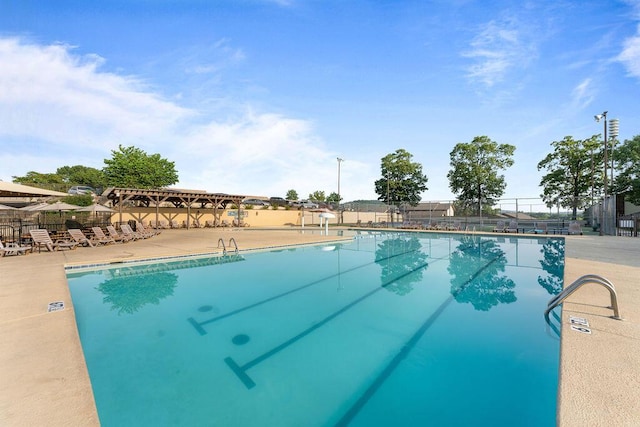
column 240, row 371
column 199, row 325
column 404, row 351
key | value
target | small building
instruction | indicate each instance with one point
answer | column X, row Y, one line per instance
column 428, row 210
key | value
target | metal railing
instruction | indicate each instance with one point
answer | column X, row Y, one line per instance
column 577, row 284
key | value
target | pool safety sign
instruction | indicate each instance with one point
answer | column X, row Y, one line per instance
column 56, row 306
column 579, row 324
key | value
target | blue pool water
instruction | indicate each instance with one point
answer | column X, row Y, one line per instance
column 385, row 330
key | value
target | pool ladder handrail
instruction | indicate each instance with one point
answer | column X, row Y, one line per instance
column 224, row 247
column 577, row 284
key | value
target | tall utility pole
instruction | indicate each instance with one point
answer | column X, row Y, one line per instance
column 339, row 214
column 599, row 117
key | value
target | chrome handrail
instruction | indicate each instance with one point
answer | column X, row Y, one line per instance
column 224, row 248
column 233, row 240
column 583, row 280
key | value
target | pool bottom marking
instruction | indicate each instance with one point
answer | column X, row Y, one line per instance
column 404, row 351
column 198, row 326
column 241, row 371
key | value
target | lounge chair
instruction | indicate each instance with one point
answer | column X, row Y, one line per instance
column 455, row 226
column 148, row 232
column 540, row 228
column 78, row 236
column 574, row 228
column 128, row 231
column 113, row 233
column 500, row 227
column 513, row 227
column 14, row 249
column 41, row 238
column 100, row 237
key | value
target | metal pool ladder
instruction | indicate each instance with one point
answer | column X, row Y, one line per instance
column 577, row 284
column 224, row 248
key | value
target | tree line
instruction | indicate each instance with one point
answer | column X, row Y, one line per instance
column 574, row 175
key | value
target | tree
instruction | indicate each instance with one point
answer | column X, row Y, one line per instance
column 402, row 180
column 292, row 195
column 33, row 177
column 627, row 157
column 474, row 171
column 82, row 175
column 132, row 167
column 317, row 196
column 334, row 198
column 570, row 173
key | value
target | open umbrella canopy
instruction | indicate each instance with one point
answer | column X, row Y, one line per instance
column 57, row 206
column 7, row 208
column 33, row 207
column 95, row 208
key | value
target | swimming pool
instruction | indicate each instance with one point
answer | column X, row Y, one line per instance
column 387, row 329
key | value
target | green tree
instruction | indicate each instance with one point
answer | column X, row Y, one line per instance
column 334, row 198
column 317, row 196
column 402, row 180
column 82, row 175
column 292, row 195
column 474, row 176
column 570, row 173
column 33, row 177
column 627, row 158
column 132, row 167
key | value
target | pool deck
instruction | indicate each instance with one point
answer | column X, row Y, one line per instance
column 45, row 380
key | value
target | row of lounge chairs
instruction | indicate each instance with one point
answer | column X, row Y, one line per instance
column 196, row 224
column 42, row 240
column 538, row 228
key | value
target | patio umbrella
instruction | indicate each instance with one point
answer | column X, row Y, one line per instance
column 7, row 208
column 33, row 207
column 57, row 206
column 95, row 208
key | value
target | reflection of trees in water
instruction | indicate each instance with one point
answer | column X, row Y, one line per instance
column 475, row 268
column 129, row 294
column 402, row 263
column 553, row 263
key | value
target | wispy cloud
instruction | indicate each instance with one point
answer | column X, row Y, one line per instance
column 58, row 108
column 498, row 48
column 630, row 55
column 582, row 95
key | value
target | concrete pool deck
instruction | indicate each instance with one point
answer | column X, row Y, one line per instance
column 45, row 380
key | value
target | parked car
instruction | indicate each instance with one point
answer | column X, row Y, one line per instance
column 278, row 201
column 307, row 204
column 255, row 202
column 81, row 189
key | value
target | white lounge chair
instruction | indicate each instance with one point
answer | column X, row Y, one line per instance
column 512, row 227
column 41, row 238
column 78, row 236
column 14, row 249
column 574, row 228
column 100, row 237
column 500, row 227
column 113, row 233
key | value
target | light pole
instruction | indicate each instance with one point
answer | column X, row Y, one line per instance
column 599, row 117
column 338, row 207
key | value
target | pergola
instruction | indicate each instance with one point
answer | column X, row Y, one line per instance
column 189, row 199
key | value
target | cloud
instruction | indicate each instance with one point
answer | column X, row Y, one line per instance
column 498, row 48
column 630, row 55
column 582, row 95
column 58, row 108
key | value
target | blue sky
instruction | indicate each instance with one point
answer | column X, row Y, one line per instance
column 258, row 97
